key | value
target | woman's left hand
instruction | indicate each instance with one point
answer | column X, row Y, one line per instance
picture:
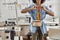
column 43, row 8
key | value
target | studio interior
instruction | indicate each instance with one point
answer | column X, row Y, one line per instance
column 17, row 20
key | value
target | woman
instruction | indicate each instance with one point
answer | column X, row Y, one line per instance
column 32, row 9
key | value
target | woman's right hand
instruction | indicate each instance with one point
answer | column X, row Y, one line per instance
column 34, row 8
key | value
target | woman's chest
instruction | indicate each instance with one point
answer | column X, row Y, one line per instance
column 42, row 12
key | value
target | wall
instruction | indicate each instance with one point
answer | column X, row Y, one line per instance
column 9, row 11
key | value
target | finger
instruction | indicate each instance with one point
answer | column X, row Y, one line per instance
column 41, row 6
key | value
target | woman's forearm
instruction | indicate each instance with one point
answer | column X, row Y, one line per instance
column 49, row 12
column 26, row 10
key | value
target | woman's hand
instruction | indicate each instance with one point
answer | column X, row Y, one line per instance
column 34, row 8
column 43, row 8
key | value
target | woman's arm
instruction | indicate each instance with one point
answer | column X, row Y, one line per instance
column 28, row 9
column 48, row 11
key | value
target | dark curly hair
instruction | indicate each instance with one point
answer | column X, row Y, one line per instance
column 34, row 1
